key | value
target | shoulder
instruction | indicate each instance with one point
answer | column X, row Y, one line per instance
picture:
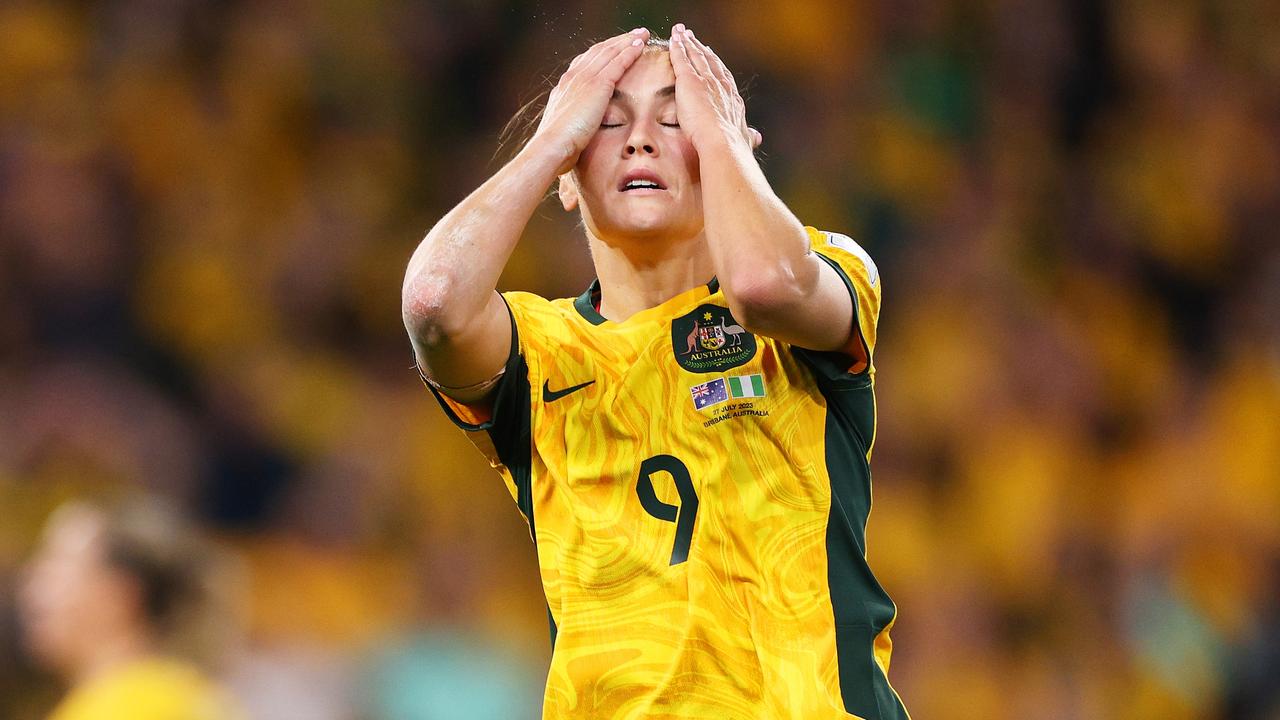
column 534, row 308
column 861, row 279
column 539, row 321
column 845, row 252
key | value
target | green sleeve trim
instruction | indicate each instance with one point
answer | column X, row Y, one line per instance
column 832, row 366
column 510, row 423
column 510, row 370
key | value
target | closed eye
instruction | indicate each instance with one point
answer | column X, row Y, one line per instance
column 610, row 125
column 670, row 125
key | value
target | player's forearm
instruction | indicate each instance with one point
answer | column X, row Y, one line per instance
column 455, row 269
column 759, row 248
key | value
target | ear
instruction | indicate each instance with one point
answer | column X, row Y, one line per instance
column 122, row 601
column 568, row 192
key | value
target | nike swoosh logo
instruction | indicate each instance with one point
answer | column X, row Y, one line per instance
column 549, row 395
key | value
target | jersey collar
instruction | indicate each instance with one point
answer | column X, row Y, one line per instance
column 588, row 301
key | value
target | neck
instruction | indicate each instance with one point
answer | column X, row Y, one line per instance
column 635, row 277
column 110, row 653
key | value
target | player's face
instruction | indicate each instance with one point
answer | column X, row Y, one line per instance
column 638, row 177
column 70, row 593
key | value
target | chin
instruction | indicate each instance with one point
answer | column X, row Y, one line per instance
column 648, row 225
column 622, row 221
column 645, row 229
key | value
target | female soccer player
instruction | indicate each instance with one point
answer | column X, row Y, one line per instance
column 688, row 440
column 122, row 602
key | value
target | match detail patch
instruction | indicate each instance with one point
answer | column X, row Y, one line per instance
column 746, row 386
column 732, row 387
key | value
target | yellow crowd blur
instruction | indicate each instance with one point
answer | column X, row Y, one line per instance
column 205, row 214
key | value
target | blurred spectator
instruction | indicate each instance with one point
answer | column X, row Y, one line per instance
column 128, row 605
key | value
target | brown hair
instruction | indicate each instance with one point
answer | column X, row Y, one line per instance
column 189, row 587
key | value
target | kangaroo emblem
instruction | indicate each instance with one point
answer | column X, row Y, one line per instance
column 693, row 339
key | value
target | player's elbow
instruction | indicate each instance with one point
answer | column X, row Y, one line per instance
column 429, row 308
column 424, row 319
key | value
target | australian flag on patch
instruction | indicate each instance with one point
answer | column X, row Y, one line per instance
column 709, row 393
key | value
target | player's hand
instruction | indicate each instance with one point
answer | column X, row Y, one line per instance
column 707, row 98
column 578, row 102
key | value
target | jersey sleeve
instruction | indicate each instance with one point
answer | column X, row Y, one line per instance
column 502, row 427
column 862, row 279
column 498, row 418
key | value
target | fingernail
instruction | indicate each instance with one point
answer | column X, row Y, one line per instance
column 637, row 31
column 637, row 42
column 679, row 27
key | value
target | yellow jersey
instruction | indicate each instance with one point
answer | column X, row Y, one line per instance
column 698, row 497
column 151, row 689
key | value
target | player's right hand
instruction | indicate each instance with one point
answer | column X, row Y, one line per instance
column 577, row 104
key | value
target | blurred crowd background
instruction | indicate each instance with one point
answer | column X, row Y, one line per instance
column 205, row 213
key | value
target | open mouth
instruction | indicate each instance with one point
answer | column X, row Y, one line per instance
column 642, row 185
column 641, row 180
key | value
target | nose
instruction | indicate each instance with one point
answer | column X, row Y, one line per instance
column 640, row 141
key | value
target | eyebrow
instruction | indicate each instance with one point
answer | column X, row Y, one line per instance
column 667, row 91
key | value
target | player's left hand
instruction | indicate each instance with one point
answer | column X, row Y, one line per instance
column 707, row 100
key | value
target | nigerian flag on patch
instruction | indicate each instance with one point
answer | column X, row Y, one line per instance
column 746, row 386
